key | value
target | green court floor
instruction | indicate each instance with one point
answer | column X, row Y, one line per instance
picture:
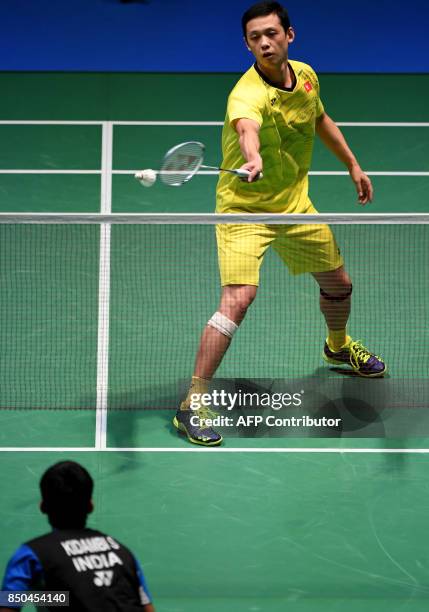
column 307, row 521
column 51, row 149
column 252, row 532
column 119, row 98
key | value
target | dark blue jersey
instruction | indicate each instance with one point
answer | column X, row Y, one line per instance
column 99, row 572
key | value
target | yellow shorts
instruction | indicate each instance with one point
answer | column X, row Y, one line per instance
column 303, row 248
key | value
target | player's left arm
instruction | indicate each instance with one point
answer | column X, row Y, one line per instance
column 145, row 596
column 333, row 139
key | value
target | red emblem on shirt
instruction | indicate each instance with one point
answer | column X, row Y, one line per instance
column 308, row 86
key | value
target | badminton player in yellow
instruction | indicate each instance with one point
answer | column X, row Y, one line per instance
column 273, row 114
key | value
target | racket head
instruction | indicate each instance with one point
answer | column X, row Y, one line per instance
column 181, row 163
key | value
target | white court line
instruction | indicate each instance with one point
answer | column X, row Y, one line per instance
column 170, row 123
column 393, row 124
column 6, row 171
column 215, row 172
column 312, row 172
column 103, row 337
column 47, row 122
column 339, row 123
column 369, row 172
column 104, row 290
column 106, row 168
column 293, row 450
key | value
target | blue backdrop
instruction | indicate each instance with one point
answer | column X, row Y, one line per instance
column 198, row 36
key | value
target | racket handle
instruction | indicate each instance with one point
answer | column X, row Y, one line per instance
column 242, row 173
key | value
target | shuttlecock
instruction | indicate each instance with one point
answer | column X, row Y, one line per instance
column 146, row 177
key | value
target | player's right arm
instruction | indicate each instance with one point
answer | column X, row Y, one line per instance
column 248, row 134
column 23, row 572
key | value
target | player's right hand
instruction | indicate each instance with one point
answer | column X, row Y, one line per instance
column 254, row 167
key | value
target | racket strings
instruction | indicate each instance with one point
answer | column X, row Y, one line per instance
column 181, row 163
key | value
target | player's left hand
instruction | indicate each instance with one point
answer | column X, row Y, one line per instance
column 363, row 185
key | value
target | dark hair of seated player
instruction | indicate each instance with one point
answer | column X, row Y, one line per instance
column 66, row 489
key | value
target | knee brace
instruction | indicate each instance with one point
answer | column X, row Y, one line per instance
column 336, row 298
column 224, row 325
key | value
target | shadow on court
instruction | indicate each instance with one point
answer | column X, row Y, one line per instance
column 333, row 407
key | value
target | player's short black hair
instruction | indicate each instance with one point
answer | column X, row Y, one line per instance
column 66, row 489
column 262, row 9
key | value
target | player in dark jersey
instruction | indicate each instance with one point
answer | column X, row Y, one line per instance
column 100, row 573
